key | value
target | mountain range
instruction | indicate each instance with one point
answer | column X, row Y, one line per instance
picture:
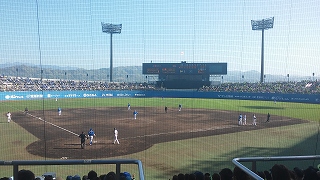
column 125, row 74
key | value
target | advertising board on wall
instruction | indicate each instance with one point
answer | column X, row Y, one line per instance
column 30, row 95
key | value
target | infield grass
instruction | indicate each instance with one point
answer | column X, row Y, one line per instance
column 162, row 161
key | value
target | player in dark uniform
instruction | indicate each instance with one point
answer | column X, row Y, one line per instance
column 135, row 112
column 83, row 139
column 240, row 120
column 59, row 111
column 166, row 109
column 268, row 117
column 26, row 110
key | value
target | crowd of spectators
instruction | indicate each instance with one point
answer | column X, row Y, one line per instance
column 302, row 87
column 92, row 175
column 277, row 172
column 27, row 84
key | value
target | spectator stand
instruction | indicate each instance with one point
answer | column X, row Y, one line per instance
column 254, row 160
column 116, row 162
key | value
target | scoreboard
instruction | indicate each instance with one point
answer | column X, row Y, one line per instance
column 185, row 68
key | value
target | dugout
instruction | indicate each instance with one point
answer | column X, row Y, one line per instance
column 184, row 75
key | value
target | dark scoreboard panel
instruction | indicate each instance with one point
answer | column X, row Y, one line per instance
column 184, row 68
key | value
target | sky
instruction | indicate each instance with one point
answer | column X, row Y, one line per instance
column 68, row 33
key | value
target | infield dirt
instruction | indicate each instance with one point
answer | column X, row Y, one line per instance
column 58, row 135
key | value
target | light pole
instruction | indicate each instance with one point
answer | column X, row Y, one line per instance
column 312, row 76
column 111, row 29
column 262, row 25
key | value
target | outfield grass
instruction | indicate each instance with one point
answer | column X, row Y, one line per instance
column 207, row 154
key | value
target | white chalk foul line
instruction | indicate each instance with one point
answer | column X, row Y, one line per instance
column 64, row 129
column 42, row 120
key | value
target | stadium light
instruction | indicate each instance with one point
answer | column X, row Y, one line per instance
column 111, row 29
column 262, row 25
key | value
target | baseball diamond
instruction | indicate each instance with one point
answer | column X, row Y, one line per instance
column 58, row 135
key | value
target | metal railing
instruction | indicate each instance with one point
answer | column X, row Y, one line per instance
column 254, row 161
column 117, row 163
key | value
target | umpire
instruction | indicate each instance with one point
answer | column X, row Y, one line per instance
column 83, row 138
column 268, row 118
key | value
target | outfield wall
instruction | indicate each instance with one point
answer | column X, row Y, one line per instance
column 29, row 95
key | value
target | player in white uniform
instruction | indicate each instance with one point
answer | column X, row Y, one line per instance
column 254, row 122
column 9, row 116
column 244, row 120
column 180, row 107
column 129, row 106
column 115, row 136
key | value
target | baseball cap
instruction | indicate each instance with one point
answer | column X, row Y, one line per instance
column 76, row 177
column 127, row 175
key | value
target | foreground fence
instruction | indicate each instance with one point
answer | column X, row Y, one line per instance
column 254, row 161
column 117, row 163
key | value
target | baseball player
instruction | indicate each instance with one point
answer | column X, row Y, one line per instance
column 83, row 139
column 135, row 112
column 26, row 110
column 59, row 111
column 254, row 122
column 166, row 109
column 129, row 107
column 240, row 120
column 9, row 116
column 115, row 136
column 244, row 120
column 91, row 134
column 180, row 107
column 268, row 117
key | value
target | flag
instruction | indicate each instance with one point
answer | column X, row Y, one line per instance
column 308, row 85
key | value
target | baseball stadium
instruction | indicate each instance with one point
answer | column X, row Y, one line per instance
column 166, row 116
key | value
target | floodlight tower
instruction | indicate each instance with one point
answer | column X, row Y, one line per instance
column 111, row 29
column 262, row 25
